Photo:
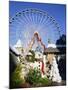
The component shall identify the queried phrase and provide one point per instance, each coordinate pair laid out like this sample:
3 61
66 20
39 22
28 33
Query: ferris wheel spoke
36 16
29 17
26 17
22 20
18 22
45 20
41 21
33 18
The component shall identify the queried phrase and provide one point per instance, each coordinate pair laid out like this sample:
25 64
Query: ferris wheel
25 23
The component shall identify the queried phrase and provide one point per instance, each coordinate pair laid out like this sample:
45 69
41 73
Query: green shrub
33 76
45 81
16 78
35 79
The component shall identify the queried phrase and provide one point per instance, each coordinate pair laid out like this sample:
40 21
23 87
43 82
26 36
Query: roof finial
49 41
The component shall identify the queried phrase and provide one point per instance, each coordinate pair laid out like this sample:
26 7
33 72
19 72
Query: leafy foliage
33 76
61 40
16 79
45 81
35 79
31 58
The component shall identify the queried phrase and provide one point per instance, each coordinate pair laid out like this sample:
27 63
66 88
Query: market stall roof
52 50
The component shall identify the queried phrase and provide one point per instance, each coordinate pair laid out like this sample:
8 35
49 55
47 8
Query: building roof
51 45
14 51
55 46
51 50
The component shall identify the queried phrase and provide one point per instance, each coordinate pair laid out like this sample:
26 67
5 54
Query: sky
19 31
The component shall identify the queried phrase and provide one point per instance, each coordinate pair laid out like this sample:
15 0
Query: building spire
18 44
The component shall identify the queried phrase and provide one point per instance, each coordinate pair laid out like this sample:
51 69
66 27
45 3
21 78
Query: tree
62 61
61 41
